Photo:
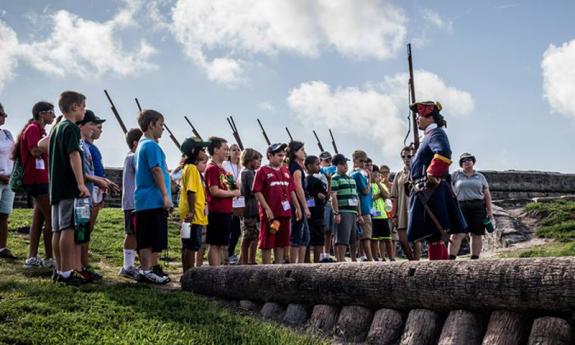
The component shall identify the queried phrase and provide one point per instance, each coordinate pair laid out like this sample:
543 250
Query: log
295 315
545 285
323 319
550 331
462 328
273 311
505 328
386 327
353 323
422 327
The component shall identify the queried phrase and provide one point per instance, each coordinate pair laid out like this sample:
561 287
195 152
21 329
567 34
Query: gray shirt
129 182
469 187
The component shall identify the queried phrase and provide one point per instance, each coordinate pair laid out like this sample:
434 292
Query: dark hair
375 168
309 160
438 118
249 155
192 156
40 107
69 98
215 143
147 117
133 134
293 147
405 149
383 166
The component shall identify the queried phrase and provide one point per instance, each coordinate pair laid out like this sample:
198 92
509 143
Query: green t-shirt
344 186
379 204
64 140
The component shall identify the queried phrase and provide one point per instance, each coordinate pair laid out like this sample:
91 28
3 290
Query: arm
488 207
300 193
159 180
44 144
297 206
215 191
264 205
191 196
76 164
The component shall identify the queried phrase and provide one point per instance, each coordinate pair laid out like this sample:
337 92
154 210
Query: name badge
239 202
40 164
353 202
311 202
375 212
285 205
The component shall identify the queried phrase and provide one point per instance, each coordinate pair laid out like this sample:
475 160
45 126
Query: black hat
275 148
339 159
325 156
191 143
428 106
89 116
464 156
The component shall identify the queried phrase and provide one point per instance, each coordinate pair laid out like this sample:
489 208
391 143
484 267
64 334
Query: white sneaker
232 260
49 262
152 278
33 262
363 258
132 273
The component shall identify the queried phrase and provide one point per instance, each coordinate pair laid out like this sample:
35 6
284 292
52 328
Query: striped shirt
346 191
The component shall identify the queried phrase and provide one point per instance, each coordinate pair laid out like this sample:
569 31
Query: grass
34 310
545 250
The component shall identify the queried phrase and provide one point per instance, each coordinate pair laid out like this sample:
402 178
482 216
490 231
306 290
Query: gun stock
333 142
318 142
264 133
193 129
289 134
115 112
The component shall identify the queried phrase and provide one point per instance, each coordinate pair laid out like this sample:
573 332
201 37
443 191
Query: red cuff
439 166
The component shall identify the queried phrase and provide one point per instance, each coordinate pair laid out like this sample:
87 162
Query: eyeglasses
235 150
48 112
466 160
408 156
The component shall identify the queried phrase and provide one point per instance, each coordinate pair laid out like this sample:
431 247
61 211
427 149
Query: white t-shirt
6 146
235 170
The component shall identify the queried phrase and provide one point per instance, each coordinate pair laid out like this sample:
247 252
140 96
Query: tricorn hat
425 108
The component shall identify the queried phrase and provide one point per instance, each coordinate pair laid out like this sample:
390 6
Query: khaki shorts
250 229
366 228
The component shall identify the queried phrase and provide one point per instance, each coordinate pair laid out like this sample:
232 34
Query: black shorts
194 243
381 229
36 189
152 229
129 222
316 232
474 212
219 228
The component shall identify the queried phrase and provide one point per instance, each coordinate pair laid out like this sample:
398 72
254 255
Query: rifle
333 142
264 133
193 129
415 143
165 126
232 124
116 114
289 134
318 142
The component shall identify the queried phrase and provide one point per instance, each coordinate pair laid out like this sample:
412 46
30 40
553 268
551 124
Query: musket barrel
115 112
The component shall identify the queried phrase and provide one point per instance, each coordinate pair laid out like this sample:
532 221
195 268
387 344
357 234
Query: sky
504 71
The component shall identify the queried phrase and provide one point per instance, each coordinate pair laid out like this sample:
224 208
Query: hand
189 218
307 213
394 221
298 214
269 214
321 196
102 183
4 179
489 214
236 193
360 220
167 203
84 192
432 181
114 188
337 218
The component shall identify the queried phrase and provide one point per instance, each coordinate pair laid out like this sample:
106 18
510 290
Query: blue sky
503 70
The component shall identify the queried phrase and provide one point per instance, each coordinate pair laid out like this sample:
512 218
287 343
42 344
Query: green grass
34 310
545 250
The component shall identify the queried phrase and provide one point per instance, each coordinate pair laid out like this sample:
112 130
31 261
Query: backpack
16 182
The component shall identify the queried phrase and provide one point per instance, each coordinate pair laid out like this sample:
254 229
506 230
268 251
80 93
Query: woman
473 194
34 162
6 193
232 166
299 236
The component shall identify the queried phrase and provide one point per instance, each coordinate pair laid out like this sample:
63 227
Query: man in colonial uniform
434 213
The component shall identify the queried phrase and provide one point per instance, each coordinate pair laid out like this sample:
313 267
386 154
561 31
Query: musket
333 142
235 132
289 134
318 142
193 129
165 126
116 114
412 97
264 133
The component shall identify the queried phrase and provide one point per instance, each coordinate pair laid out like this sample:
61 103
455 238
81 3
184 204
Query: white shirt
6 146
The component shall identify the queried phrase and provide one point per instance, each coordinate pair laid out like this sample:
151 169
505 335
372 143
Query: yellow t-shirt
192 182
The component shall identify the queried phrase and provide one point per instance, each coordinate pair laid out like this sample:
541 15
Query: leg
293 254
366 248
353 251
402 233
200 256
253 247
3 230
234 235
56 250
146 259
317 251
340 252
43 203
68 248
244 251
279 254
302 253
416 250
375 249
188 259
35 231
382 249
476 243
214 257
267 256
389 249
455 244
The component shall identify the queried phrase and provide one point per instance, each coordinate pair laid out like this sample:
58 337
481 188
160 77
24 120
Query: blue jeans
299 234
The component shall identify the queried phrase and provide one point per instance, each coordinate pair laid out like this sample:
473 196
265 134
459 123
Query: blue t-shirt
148 195
88 164
365 201
96 159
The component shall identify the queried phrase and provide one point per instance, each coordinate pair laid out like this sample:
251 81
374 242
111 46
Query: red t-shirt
276 186
217 176
35 168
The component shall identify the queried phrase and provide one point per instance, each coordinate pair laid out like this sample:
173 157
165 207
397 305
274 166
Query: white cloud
559 77
8 60
266 105
240 28
374 111
434 19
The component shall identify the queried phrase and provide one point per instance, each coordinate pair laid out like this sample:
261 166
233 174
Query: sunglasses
408 156
466 160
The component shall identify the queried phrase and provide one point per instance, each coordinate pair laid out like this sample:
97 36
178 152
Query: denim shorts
6 199
299 234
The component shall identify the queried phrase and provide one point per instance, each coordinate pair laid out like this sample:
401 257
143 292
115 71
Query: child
192 205
381 241
251 161
274 190
316 203
152 197
129 269
201 165
362 178
66 184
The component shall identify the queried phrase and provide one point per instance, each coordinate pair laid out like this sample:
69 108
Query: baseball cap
191 143
339 159
89 116
325 156
275 148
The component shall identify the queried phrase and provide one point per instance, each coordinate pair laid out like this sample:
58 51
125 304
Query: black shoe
160 272
74 279
90 274
7 254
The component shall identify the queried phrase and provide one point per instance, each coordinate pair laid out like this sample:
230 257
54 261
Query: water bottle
488 225
82 210
186 230
330 170
388 205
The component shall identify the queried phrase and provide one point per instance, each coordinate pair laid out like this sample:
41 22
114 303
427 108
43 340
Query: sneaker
33 262
363 258
74 279
5 253
233 260
49 262
131 273
153 278
90 274
160 272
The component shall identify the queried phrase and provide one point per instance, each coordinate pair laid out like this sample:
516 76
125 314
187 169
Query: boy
129 269
326 172
362 179
220 195
201 166
381 241
316 204
251 161
192 205
345 206
274 190
152 197
66 183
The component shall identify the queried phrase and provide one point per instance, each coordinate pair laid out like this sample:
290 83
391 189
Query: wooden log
523 285
422 327
462 328
505 328
353 323
322 320
386 327
295 315
551 331
273 311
